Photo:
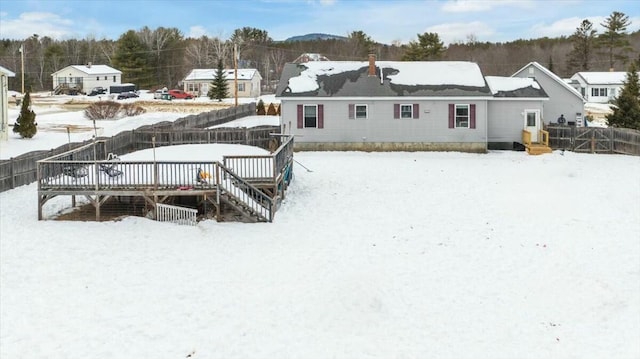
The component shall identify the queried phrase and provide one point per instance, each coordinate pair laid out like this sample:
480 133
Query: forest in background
162 57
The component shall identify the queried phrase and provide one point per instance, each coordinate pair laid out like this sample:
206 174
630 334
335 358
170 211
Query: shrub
131 109
25 124
260 108
103 110
278 112
271 110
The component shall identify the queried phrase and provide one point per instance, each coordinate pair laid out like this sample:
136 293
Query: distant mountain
313 37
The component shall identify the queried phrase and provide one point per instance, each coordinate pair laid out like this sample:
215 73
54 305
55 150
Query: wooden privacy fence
595 139
21 170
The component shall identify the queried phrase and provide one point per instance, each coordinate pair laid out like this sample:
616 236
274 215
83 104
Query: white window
462 116
361 111
406 111
241 87
599 92
310 116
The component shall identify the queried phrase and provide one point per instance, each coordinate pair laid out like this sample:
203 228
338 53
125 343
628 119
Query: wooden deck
251 185
536 148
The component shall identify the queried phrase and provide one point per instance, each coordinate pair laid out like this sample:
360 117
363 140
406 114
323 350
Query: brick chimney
372 65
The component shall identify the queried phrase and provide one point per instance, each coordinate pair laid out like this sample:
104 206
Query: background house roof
514 87
7 72
210 74
602 78
392 79
92 69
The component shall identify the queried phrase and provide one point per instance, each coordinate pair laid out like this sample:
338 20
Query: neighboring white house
83 78
407 106
4 102
598 87
198 82
563 99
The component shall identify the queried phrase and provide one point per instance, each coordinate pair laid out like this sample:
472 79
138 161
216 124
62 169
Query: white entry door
532 123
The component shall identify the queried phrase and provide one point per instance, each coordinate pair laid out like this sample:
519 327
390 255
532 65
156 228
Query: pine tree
626 112
260 108
219 87
614 39
271 110
584 41
132 58
26 124
428 47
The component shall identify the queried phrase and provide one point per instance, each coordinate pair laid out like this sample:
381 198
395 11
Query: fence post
613 142
13 179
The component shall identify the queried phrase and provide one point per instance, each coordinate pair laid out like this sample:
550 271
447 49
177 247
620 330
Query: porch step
538 149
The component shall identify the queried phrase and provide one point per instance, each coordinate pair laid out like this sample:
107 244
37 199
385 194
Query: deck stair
242 207
536 148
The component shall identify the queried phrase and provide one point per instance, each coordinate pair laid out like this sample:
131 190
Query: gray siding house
406 106
563 99
359 105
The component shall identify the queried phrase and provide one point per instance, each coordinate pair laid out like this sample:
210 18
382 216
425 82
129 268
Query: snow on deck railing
176 214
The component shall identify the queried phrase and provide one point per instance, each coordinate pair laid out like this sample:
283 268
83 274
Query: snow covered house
4 102
82 78
389 105
198 82
598 87
563 99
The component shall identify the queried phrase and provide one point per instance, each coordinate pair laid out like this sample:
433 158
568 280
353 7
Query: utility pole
235 71
22 68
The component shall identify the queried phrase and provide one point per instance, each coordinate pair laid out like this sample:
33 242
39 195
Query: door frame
534 130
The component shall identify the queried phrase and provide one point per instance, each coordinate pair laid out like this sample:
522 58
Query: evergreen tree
584 41
132 58
260 108
614 39
626 112
271 110
26 125
219 87
428 47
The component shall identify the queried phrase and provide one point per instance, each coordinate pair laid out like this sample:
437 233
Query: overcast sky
384 21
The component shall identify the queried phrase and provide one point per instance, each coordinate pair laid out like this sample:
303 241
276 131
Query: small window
310 116
406 111
241 87
361 111
106 78
462 116
97 78
114 78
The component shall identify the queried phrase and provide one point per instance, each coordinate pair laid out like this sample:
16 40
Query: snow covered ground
372 255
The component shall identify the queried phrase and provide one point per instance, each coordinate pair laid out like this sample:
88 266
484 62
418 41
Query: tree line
162 57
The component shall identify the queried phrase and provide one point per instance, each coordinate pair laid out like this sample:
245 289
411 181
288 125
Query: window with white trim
310 116
361 111
406 111
599 92
241 87
462 116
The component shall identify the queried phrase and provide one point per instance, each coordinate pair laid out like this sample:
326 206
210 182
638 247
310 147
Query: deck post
97 204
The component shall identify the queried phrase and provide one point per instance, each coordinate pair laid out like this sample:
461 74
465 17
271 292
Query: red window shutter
416 110
472 115
452 114
396 110
320 116
352 111
300 119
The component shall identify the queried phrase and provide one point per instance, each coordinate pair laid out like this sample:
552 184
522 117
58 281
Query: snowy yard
372 255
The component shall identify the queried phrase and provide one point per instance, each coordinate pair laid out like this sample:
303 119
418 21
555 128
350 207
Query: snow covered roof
514 87
602 78
92 69
210 74
393 78
7 72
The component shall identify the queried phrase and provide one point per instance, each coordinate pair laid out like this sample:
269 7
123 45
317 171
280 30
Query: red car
180 94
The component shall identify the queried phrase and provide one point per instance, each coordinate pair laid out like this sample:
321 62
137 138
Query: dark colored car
180 94
126 95
97 91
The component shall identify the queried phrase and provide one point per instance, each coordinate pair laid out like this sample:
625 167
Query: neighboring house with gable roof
198 82
83 78
4 101
390 105
599 87
563 99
